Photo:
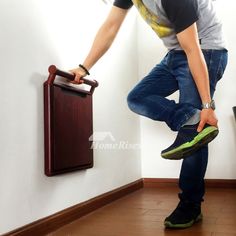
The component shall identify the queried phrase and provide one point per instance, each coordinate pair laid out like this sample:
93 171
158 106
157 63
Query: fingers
75 82
77 79
207 117
201 125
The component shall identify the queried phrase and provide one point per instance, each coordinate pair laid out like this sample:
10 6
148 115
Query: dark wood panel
72 127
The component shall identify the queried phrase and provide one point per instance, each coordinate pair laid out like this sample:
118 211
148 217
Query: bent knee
133 99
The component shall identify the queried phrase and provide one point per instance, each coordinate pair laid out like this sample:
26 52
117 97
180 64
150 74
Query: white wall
30 40
155 136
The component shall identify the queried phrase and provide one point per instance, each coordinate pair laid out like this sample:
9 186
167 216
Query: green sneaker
188 141
184 216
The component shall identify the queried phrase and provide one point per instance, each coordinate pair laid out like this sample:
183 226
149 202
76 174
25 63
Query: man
195 62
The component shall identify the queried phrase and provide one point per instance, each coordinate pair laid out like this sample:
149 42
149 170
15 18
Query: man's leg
188 140
148 98
192 174
193 169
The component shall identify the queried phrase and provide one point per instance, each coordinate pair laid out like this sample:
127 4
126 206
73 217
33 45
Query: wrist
82 67
209 105
81 72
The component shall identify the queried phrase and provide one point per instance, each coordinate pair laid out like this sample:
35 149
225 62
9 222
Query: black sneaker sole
170 225
187 149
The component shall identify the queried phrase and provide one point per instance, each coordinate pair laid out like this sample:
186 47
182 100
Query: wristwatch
209 105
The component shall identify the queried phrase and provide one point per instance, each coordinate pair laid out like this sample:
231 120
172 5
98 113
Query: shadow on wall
234 110
234 122
37 81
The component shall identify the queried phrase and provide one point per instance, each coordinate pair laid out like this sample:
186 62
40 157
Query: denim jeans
148 98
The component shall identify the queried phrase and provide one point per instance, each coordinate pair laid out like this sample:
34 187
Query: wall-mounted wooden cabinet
68 124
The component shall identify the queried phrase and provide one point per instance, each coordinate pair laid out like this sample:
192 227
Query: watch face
209 105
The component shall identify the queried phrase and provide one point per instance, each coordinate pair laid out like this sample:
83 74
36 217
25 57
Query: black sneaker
188 141
184 216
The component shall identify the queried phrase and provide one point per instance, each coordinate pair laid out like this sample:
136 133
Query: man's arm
188 40
103 40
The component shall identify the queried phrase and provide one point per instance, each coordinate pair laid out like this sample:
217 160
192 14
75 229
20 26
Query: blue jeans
148 98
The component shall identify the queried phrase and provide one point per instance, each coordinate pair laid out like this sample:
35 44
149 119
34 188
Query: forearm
188 39
200 75
199 72
102 42
105 36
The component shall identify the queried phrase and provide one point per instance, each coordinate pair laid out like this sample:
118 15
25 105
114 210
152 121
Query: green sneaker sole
188 148
168 224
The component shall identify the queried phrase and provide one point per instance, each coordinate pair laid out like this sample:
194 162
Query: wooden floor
142 213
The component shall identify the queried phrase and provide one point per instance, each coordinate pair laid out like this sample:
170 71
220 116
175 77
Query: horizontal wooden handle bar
53 70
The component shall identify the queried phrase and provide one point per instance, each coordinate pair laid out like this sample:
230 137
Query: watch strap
209 105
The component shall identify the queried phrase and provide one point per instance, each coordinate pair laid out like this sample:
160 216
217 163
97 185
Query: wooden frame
68 124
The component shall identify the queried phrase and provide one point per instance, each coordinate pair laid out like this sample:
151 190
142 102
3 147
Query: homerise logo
106 141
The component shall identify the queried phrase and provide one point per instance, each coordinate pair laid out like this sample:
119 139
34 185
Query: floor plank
142 213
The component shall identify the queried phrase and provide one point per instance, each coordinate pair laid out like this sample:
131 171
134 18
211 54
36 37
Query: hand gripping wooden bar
53 71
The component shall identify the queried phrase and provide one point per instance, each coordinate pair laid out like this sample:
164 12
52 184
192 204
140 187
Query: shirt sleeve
124 4
181 13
